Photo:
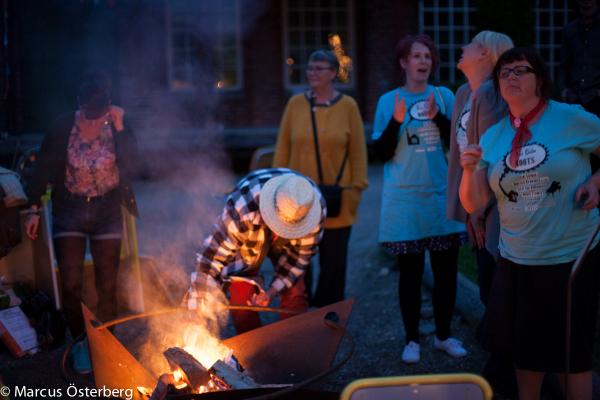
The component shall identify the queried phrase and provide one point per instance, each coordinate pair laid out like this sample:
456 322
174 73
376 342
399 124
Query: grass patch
467 262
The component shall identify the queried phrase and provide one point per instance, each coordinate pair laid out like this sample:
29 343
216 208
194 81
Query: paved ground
177 214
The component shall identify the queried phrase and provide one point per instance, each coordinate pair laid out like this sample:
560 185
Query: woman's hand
399 108
470 157
31 225
432 107
587 196
116 114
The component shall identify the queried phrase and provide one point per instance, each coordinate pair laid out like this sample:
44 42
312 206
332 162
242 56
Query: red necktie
523 133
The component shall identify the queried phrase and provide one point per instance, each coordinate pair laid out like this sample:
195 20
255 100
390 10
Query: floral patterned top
91 165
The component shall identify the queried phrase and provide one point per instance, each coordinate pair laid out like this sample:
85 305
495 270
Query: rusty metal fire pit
289 351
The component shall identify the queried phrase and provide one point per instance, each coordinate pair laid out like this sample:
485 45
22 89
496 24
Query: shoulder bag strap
442 104
313 119
337 180
314 128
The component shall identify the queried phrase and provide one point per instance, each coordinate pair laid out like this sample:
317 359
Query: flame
178 377
196 332
335 42
144 391
204 347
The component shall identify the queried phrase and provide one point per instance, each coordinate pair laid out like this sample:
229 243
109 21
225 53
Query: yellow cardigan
340 127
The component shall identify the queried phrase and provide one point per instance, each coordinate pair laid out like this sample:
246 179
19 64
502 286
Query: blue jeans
75 219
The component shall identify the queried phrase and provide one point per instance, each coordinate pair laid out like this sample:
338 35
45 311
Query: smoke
197 332
181 142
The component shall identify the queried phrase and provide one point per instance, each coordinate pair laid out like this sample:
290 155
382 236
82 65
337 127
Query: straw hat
290 206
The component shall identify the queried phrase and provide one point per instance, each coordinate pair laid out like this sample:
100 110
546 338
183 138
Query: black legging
444 266
70 253
333 254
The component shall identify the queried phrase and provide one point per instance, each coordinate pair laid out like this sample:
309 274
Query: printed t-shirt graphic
536 197
461 125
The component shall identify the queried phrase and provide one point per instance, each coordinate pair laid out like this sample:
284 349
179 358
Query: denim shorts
97 217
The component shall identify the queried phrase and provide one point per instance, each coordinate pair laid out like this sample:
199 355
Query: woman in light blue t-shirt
535 161
408 127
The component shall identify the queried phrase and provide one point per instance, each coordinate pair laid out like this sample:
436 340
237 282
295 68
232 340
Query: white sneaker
451 346
411 353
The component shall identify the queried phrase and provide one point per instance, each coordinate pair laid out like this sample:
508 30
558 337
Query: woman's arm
385 145
474 191
357 150
587 196
443 124
47 163
46 168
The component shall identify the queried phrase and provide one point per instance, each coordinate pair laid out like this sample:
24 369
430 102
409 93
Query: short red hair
405 44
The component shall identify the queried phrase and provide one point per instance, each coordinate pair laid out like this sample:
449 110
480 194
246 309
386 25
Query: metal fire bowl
285 352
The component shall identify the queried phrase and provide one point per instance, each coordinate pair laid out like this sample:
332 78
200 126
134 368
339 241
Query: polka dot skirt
433 243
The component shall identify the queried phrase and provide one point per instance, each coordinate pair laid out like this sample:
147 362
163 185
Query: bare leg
530 384
580 385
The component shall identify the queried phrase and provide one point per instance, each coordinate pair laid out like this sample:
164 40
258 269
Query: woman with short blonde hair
476 108
495 42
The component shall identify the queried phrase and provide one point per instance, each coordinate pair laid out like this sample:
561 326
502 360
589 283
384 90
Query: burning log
195 374
162 387
230 378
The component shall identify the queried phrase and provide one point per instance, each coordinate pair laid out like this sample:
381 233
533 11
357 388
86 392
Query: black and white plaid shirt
235 246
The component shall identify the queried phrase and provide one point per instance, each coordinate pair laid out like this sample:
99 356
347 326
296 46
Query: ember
190 376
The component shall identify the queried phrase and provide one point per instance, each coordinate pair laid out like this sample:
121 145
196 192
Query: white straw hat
290 206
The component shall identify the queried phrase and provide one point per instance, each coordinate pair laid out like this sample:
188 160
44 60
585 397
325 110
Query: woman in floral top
88 159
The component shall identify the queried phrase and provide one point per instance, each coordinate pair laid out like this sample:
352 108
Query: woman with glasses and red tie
321 135
535 161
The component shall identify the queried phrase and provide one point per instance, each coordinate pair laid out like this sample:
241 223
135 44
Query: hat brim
284 229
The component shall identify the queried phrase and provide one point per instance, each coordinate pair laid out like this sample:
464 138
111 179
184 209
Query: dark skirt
526 314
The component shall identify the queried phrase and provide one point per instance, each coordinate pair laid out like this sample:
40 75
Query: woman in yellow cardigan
340 134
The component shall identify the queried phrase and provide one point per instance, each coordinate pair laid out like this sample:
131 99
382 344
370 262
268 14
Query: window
448 24
550 18
316 24
204 44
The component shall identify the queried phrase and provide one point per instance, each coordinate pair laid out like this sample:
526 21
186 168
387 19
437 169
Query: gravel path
376 323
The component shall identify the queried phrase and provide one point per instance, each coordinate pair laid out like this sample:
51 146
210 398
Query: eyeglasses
518 71
317 69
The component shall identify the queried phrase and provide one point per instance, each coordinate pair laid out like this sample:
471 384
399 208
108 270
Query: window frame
466 29
552 46
292 87
239 70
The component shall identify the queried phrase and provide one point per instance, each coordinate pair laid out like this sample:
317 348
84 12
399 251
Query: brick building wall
263 98
249 116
